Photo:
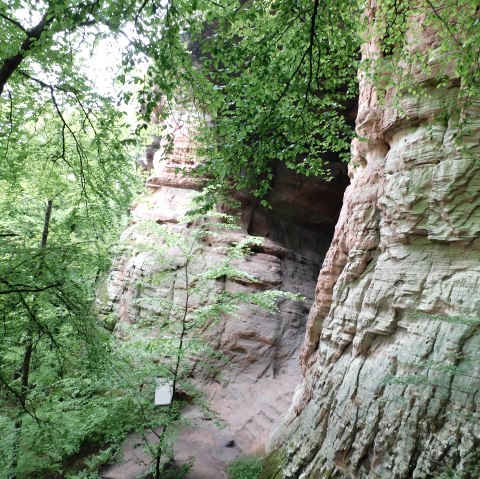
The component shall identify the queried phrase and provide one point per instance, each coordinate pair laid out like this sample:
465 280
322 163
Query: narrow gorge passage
262 349
260 309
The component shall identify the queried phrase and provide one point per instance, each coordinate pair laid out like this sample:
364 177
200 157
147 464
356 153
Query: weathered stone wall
262 348
390 390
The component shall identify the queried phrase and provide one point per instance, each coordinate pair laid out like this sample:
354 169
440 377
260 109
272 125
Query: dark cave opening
299 229
304 211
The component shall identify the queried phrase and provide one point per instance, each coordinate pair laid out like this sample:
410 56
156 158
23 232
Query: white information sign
163 392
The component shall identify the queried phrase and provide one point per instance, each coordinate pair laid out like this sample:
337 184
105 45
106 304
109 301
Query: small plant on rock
178 301
248 467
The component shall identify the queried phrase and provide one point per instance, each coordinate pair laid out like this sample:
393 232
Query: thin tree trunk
176 369
24 372
157 462
46 224
24 381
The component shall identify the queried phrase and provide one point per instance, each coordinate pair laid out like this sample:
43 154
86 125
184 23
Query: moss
273 465
275 462
110 321
330 474
246 467
326 471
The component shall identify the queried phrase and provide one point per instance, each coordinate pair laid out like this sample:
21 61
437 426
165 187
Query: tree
277 81
167 337
452 26
62 200
67 180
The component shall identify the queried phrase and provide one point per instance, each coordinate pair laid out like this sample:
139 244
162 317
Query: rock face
390 387
262 348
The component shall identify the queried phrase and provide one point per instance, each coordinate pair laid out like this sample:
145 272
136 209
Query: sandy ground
209 447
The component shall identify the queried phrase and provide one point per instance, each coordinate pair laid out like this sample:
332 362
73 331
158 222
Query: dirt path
211 449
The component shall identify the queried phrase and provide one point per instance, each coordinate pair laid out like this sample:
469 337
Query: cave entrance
302 222
304 211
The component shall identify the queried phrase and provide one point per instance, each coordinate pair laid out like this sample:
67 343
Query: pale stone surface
256 385
390 391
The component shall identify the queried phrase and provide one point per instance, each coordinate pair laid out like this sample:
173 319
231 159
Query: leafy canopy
275 81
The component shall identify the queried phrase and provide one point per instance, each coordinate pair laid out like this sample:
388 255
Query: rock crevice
262 348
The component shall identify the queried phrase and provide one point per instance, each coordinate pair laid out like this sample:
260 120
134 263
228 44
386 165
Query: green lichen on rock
273 465
322 468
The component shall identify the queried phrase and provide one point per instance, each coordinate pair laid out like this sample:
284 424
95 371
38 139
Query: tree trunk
24 372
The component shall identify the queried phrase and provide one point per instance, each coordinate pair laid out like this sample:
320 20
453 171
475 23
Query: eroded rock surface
257 385
391 389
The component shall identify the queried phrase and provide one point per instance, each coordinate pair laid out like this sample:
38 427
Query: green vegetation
166 341
273 465
250 467
457 29
67 179
469 472
275 80
267 74
78 390
66 182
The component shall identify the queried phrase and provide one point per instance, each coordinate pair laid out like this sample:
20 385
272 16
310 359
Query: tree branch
310 48
48 86
447 26
23 288
308 51
20 400
14 22
10 65
65 125
10 132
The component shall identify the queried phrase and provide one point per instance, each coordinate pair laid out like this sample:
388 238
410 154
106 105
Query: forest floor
209 447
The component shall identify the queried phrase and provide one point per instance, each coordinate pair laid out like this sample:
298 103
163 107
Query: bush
245 468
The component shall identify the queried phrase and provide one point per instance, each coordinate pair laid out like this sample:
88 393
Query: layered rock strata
391 385
262 348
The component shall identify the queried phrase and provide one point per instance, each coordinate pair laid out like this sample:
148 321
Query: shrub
246 468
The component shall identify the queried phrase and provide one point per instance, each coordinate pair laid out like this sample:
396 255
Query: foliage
273 465
444 27
61 210
267 74
469 472
245 468
167 338
274 81
66 182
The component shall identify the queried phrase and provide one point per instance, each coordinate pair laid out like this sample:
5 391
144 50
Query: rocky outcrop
262 348
391 386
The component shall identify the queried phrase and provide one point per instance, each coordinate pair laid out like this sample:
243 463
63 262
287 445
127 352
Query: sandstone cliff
262 349
390 386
